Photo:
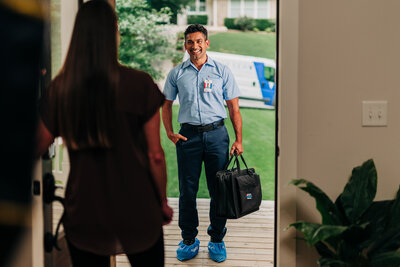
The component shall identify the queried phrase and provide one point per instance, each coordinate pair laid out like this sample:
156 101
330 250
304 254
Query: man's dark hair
196 28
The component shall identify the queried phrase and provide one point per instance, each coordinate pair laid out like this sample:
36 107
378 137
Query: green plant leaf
355 234
324 204
324 250
389 241
377 216
331 262
360 191
314 233
394 216
388 259
341 213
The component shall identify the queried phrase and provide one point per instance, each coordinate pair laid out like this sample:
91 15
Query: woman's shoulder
136 86
133 73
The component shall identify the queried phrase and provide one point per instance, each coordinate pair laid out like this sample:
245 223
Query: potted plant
355 230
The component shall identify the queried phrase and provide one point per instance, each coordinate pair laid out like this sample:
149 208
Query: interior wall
348 53
287 124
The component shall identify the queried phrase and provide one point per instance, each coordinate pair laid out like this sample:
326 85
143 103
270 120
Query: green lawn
244 43
258 143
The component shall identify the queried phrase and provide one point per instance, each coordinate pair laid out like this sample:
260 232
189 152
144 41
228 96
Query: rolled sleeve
170 89
230 87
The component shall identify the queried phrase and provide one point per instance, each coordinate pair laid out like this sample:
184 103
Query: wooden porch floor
249 240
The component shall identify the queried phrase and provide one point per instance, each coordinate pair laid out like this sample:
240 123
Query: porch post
215 16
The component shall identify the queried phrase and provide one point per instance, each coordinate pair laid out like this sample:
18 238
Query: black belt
203 128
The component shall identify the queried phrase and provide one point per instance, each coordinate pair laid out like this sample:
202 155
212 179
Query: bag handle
243 160
235 155
229 162
235 161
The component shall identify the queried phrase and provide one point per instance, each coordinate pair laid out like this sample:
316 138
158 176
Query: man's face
196 45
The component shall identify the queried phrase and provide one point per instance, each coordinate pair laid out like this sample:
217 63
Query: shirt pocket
217 84
187 90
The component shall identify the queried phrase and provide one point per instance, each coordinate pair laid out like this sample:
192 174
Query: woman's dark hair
85 87
196 28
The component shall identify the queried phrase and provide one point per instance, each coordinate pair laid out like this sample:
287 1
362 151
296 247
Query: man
202 85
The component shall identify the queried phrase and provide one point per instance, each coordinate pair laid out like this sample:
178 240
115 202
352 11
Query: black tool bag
238 192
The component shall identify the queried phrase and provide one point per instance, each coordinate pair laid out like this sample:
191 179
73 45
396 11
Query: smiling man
202 86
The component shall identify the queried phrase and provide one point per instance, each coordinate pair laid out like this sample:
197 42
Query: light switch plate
374 113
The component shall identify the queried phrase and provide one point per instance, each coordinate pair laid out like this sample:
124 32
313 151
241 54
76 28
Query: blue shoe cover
217 251
185 252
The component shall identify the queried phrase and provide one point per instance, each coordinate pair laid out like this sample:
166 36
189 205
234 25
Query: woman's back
108 116
112 205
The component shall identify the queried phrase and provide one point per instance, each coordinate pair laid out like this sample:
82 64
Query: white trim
197 13
241 12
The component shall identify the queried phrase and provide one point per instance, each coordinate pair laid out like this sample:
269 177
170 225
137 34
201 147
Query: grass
244 43
258 143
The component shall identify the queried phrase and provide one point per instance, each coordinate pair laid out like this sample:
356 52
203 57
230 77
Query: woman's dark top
111 202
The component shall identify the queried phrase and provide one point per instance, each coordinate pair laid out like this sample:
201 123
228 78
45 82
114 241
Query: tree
175 6
144 41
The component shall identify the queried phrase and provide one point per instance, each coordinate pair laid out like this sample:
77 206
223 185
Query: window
249 8
235 8
262 10
202 5
192 6
197 6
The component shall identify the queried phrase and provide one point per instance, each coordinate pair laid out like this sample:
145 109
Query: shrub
180 39
143 40
263 24
273 25
245 23
273 28
230 23
197 19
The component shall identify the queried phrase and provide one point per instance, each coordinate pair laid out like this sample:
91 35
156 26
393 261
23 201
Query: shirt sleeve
154 98
170 88
230 87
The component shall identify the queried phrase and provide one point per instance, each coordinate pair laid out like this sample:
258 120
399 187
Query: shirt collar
209 61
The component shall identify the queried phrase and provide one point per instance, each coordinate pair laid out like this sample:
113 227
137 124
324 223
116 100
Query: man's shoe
217 251
187 252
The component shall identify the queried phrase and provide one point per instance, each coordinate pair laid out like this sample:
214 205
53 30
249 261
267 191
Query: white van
255 77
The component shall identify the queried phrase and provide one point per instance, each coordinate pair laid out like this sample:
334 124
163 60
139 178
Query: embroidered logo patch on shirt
249 196
207 86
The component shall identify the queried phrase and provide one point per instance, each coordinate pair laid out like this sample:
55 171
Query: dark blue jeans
212 148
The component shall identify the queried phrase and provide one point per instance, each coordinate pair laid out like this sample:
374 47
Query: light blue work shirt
201 101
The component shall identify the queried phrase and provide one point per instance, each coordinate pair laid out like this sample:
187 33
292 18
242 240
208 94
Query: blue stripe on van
266 91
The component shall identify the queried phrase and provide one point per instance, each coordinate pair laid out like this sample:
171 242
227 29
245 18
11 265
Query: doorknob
49 189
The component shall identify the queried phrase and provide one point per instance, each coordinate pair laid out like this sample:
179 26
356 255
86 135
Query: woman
108 116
